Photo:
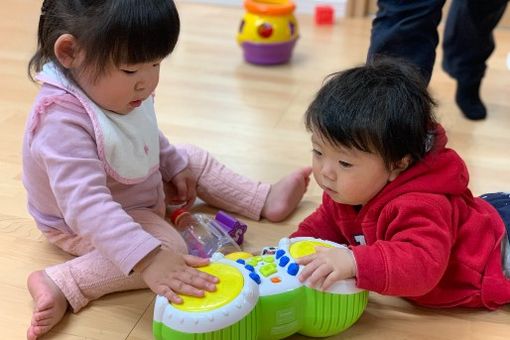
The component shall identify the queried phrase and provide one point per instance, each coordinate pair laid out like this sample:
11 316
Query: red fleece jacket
426 237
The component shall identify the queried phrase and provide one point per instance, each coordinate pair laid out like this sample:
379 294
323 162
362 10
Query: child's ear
66 50
399 166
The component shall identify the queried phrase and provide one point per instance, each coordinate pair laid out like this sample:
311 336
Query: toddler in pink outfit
98 172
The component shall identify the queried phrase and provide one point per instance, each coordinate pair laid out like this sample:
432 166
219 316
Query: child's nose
328 172
140 86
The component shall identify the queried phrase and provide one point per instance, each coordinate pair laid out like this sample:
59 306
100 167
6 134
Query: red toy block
324 15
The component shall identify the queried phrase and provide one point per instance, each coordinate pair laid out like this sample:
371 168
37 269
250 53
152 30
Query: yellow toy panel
231 283
304 248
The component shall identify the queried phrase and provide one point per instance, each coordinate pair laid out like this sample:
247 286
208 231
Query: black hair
111 32
382 107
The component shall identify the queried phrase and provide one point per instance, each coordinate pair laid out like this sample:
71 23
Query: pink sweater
71 188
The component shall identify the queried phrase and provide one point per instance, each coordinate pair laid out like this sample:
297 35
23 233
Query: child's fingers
187 288
330 280
182 190
195 261
308 270
171 296
318 276
191 191
200 279
190 283
176 286
208 277
188 204
306 259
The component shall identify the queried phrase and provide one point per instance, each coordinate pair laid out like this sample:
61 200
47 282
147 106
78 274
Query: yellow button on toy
229 287
304 248
238 255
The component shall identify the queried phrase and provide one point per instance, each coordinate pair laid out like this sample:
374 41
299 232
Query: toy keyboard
260 297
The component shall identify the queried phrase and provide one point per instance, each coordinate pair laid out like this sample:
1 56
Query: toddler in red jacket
398 196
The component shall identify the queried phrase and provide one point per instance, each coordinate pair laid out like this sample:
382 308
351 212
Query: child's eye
155 65
344 164
316 152
128 71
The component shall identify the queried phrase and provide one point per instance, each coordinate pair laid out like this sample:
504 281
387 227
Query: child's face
122 88
348 176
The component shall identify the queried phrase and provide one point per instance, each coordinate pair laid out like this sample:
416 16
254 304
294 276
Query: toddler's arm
76 190
414 251
171 160
181 189
322 223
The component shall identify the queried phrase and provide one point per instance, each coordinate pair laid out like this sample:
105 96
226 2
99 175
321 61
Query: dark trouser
408 29
500 201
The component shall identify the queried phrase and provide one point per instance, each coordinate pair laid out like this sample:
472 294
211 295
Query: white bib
127 144
131 141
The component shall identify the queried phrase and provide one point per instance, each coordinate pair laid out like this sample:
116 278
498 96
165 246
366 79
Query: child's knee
175 242
197 157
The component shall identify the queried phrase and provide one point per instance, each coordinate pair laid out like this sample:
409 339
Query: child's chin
339 200
334 197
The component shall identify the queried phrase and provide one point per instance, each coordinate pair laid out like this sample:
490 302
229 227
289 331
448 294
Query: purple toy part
268 54
232 226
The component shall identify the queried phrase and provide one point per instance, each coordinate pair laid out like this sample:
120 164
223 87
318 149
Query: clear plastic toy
204 235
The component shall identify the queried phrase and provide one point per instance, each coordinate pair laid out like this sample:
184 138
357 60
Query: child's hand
169 273
327 266
181 189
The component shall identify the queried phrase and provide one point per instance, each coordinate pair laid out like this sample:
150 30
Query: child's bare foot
50 304
285 195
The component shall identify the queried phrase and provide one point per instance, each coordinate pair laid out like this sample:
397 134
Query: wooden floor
251 118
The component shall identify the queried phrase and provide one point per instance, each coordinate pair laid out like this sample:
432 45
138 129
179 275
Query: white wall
302 6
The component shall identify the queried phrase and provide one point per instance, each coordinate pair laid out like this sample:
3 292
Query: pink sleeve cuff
138 253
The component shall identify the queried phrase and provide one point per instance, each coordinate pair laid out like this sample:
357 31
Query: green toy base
328 314
245 329
322 315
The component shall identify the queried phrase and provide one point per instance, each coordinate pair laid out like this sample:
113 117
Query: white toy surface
278 272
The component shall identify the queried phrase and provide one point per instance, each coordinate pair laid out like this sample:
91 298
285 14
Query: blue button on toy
240 261
279 253
283 261
293 269
255 277
250 268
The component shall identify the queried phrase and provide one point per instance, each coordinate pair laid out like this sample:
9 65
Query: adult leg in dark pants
468 43
408 30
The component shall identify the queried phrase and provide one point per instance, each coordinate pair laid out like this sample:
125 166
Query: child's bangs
341 126
149 33
132 32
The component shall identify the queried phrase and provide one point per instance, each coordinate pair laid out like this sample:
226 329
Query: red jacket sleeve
321 224
412 251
